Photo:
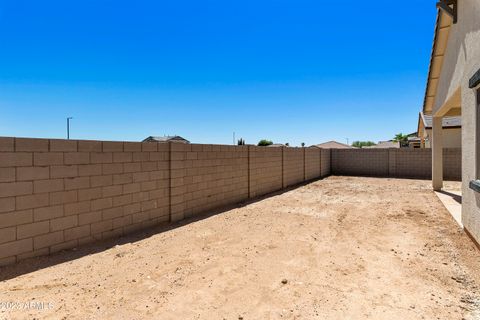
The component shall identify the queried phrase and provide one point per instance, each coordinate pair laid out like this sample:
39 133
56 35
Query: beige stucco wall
462 60
452 138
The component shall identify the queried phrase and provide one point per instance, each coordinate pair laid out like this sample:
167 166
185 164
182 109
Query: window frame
475 184
477 134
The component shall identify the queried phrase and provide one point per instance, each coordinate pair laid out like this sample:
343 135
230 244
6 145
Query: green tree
361 144
401 138
303 144
241 142
264 143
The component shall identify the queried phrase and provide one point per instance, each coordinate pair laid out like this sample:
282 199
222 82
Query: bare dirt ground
340 248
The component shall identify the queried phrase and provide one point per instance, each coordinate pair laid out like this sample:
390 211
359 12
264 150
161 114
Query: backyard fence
396 163
59 194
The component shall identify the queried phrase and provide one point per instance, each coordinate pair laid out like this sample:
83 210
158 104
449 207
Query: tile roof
448 122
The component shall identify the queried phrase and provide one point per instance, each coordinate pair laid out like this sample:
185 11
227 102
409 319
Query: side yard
339 248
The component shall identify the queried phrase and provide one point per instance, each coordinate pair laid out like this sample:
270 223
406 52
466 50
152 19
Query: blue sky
289 71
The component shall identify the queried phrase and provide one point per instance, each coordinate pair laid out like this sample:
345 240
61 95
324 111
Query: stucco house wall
452 138
461 61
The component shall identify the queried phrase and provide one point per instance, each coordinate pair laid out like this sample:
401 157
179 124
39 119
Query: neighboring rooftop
166 139
448 122
385 145
333 145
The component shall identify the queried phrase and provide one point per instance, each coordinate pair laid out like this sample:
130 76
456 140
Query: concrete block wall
411 163
399 163
313 163
293 166
452 164
211 176
325 161
362 162
60 194
265 167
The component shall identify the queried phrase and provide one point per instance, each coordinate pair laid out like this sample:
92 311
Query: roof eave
438 26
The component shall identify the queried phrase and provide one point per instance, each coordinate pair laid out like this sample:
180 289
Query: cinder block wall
59 194
210 177
452 164
411 163
399 163
293 166
265 170
361 162
326 163
312 163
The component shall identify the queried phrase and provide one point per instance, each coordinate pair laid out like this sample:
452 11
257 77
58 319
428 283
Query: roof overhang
421 124
452 107
450 7
442 31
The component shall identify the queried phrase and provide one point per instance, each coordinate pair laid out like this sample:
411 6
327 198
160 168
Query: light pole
68 127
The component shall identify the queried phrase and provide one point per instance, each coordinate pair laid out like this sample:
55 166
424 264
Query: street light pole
68 127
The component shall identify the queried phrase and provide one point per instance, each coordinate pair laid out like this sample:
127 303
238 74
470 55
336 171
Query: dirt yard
340 248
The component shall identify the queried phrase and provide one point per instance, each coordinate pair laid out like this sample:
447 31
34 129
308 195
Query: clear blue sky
290 71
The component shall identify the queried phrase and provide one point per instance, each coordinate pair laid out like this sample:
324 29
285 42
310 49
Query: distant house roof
333 145
166 139
448 122
425 122
385 145
276 145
